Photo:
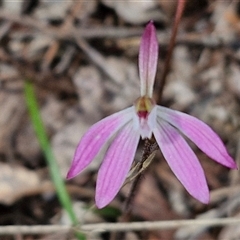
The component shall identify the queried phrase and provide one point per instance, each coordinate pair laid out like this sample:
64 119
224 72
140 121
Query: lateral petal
95 138
200 133
116 165
147 60
182 161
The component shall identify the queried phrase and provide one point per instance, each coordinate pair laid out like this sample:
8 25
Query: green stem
40 131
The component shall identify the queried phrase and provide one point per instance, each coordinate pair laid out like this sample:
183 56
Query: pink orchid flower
125 128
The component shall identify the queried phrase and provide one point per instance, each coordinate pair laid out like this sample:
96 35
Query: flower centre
145 120
143 106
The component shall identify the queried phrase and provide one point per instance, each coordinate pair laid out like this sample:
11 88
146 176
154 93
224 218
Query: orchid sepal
147 61
95 138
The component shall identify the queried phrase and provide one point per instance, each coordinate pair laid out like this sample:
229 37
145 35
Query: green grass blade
39 128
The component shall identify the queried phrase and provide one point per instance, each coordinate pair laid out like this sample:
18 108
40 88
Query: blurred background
81 58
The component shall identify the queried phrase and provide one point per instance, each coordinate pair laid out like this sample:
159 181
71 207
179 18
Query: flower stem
40 131
150 145
178 16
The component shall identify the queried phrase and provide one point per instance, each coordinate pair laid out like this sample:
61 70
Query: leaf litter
74 91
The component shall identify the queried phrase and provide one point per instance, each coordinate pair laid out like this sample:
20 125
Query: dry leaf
16 182
12 108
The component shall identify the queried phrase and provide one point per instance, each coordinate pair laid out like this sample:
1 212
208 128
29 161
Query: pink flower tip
203 197
101 202
148 58
70 174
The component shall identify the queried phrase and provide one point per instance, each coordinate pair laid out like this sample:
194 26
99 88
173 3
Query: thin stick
179 12
71 32
111 227
148 225
119 33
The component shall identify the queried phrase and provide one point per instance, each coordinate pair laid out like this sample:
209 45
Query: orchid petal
182 160
116 165
95 138
200 133
148 57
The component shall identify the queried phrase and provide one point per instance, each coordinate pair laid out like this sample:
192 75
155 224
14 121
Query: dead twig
110 227
72 32
193 39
